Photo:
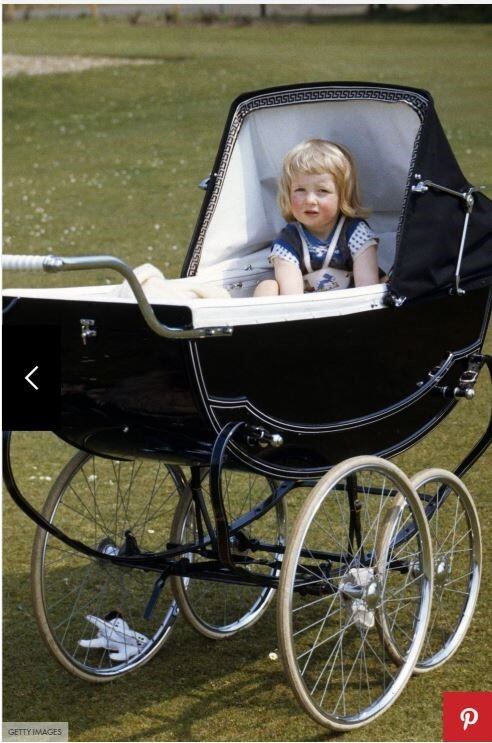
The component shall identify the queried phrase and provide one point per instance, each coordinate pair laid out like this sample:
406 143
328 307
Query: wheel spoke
89 609
217 609
336 646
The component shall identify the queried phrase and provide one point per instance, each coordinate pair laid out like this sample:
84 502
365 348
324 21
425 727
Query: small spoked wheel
216 609
347 586
457 556
91 612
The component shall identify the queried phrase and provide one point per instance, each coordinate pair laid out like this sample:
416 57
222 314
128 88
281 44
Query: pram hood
397 141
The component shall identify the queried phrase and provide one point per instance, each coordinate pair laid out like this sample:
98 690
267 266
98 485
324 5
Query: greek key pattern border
407 189
287 98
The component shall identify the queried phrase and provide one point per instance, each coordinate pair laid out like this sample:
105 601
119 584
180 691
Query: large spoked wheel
89 611
342 573
219 610
457 555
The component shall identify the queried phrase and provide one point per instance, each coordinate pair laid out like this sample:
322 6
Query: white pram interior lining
381 136
235 249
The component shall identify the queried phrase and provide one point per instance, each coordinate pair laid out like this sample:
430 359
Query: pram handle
53 264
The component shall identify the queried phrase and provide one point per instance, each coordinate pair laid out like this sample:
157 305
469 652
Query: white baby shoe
117 636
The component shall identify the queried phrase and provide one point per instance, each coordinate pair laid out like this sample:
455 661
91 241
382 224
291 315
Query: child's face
315 202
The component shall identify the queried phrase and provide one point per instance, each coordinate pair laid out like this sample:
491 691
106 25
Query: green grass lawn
108 161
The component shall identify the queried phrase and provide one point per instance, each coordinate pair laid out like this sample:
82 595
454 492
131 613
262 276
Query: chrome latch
390 299
434 373
468 379
466 382
257 436
205 182
87 330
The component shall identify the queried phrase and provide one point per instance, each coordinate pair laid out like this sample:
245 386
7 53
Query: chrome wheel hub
361 592
442 571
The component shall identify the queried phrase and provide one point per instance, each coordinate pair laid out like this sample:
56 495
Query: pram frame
220 538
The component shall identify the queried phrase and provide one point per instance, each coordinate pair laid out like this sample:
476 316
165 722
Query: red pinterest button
467 716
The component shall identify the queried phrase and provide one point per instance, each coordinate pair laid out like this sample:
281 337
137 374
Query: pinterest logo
467 716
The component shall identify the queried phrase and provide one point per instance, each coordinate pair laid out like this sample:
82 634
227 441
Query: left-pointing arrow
28 377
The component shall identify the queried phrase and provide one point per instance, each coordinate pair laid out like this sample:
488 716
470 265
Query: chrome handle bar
54 264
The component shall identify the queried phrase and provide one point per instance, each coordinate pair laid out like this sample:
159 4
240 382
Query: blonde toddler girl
326 243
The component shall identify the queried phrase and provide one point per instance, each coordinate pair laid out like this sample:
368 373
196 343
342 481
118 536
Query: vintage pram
258 397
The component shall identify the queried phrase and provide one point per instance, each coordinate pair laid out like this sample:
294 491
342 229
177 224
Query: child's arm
366 270
288 276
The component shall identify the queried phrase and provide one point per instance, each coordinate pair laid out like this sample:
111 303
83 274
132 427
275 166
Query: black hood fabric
432 229
431 226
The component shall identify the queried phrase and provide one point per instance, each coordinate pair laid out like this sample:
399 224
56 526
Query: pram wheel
457 555
216 609
340 576
90 612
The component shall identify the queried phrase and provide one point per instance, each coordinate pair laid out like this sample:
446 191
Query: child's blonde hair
319 156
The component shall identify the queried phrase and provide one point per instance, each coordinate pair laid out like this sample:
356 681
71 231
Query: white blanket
156 286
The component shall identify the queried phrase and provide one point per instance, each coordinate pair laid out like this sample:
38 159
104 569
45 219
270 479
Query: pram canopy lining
394 135
247 215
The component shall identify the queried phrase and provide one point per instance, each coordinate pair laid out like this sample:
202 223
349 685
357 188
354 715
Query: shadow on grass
183 691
